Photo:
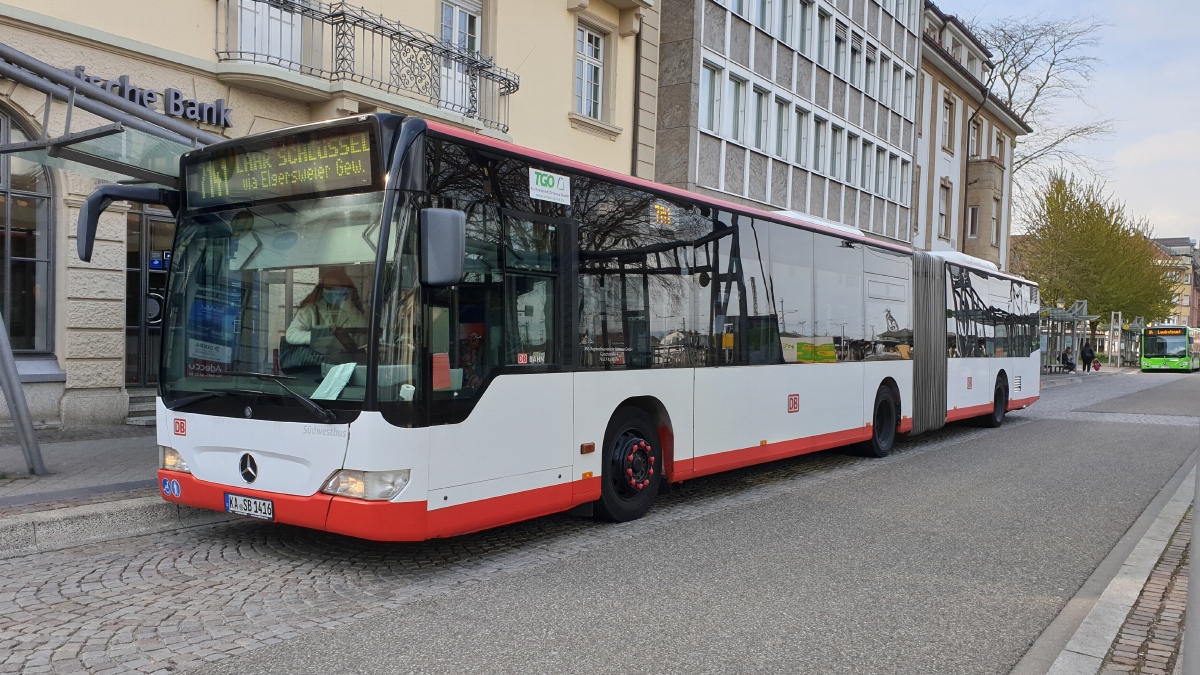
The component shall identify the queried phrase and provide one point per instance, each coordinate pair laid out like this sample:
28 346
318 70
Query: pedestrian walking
1087 355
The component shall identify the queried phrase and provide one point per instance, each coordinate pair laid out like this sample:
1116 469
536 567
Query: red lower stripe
906 425
970 411
1021 403
734 459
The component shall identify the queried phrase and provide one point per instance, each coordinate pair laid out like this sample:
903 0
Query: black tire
632 463
999 404
885 418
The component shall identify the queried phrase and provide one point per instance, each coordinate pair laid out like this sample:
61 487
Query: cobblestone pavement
160 603
1149 641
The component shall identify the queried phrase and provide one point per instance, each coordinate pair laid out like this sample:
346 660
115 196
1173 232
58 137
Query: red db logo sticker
793 403
522 359
968 383
180 427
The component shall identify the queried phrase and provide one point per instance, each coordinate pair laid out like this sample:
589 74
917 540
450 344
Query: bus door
499 350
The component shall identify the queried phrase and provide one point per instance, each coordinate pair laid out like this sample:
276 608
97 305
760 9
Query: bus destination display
314 163
1165 331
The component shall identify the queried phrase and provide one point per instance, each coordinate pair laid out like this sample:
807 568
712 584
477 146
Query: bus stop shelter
1062 328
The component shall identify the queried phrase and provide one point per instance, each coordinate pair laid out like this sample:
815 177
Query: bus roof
838 230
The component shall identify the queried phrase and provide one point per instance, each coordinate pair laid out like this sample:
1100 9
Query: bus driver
331 314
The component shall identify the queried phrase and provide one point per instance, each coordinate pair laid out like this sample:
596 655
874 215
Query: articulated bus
389 328
1170 348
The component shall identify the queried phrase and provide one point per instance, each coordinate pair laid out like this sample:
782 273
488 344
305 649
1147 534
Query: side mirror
103 197
443 246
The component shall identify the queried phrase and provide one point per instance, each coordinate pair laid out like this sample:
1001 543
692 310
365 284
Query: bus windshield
1165 346
273 297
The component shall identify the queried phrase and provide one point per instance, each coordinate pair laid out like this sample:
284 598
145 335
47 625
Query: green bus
1171 348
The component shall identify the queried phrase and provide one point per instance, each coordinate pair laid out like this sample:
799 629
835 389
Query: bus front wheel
632 466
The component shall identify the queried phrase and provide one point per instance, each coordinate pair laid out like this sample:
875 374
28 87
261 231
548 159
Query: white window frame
868 165
996 206
839 50
974 131
762 112
972 222
947 124
587 65
824 39
836 150
869 73
880 171
820 133
804 32
944 211
783 114
885 74
852 147
712 76
763 14
735 113
909 90
905 182
785 21
894 178
738 7
802 150
856 57
897 87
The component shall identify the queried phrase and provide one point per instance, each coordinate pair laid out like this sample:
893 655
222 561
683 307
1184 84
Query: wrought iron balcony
341 42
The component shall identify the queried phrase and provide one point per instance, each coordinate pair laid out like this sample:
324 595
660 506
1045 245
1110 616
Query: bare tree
1040 63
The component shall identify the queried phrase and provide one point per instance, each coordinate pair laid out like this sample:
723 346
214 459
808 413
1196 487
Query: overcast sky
1149 82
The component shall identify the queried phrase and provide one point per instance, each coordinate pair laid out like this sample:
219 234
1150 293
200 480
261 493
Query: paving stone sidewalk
1150 639
106 460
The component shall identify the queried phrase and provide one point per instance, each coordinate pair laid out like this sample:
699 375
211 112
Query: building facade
1180 256
964 146
577 79
795 105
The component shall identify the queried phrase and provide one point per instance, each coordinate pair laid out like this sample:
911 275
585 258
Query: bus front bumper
375 520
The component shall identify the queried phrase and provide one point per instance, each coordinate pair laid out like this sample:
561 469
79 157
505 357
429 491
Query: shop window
26 211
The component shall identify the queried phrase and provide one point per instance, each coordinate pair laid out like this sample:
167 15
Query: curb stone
56 529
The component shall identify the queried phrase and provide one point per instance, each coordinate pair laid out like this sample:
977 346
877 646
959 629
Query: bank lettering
174 102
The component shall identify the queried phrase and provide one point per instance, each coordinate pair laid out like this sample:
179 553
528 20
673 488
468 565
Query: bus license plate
249 506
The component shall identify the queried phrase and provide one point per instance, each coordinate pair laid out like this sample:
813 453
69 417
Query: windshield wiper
323 414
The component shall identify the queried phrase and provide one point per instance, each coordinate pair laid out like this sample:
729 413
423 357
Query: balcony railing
340 42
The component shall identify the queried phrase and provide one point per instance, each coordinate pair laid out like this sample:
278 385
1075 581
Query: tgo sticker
175 489
166 487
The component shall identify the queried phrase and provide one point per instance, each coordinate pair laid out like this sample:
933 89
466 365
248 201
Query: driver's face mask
337 295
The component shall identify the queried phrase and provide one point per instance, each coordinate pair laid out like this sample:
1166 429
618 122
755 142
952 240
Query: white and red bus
389 328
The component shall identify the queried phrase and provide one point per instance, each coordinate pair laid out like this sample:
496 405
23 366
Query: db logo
180 427
968 383
793 403
523 359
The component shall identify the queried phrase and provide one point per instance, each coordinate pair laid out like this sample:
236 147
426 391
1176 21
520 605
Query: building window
738 6
823 29
999 154
589 72
819 146
782 115
762 17
761 110
839 51
25 208
710 98
460 27
909 83
880 171
736 109
856 60
898 89
972 65
835 161
851 158
905 182
973 140
869 76
885 70
995 222
943 209
802 138
894 174
868 154
785 21
947 125
805 30
972 222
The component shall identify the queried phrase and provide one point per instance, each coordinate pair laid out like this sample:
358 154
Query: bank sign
174 103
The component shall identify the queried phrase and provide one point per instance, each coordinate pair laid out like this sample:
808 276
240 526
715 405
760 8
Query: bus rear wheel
632 466
999 404
883 424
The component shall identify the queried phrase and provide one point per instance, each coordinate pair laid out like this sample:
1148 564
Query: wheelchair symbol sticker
166 486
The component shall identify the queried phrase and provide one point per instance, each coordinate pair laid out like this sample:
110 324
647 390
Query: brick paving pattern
1148 643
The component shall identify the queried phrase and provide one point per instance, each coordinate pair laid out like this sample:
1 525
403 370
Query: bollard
18 409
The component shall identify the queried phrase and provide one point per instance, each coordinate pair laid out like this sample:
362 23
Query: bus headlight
370 485
170 459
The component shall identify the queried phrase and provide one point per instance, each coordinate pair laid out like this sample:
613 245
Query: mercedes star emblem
249 412
248 467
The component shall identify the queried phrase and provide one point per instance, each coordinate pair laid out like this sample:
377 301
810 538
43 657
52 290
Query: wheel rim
633 465
885 427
